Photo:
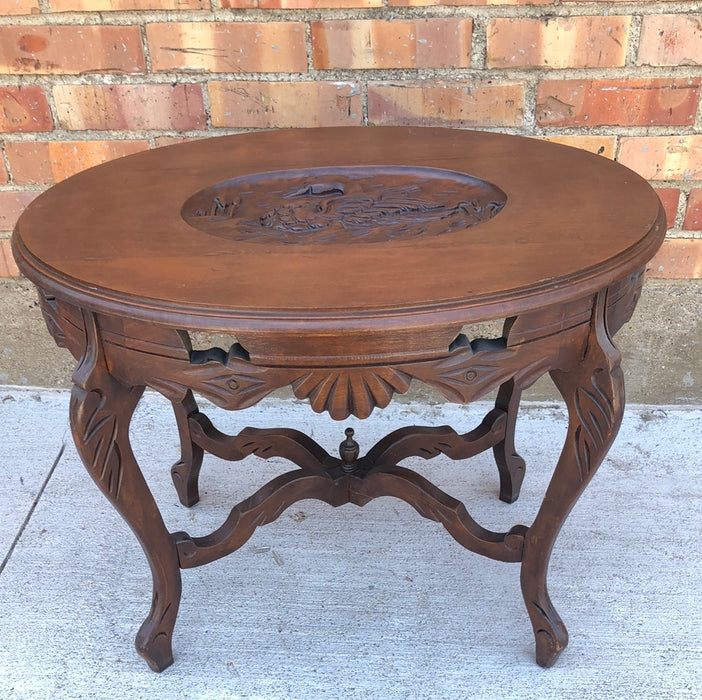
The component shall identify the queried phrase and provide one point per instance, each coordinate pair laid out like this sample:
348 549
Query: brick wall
83 81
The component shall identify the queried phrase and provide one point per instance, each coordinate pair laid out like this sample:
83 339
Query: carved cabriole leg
510 465
186 471
101 410
593 391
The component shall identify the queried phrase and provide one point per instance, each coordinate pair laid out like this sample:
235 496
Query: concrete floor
352 603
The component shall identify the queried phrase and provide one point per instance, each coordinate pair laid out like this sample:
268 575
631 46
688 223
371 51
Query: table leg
509 464
101 410
186 471
593 391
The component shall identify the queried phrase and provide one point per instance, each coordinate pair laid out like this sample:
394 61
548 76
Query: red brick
177 107
49 162
678 258
663 157
3 172
300 4
62 49
314 4
559 42
433 103
693 213
604 146
30 163
259 104
70 157
671 40
421 43
12 204
24 109
639 102
120 5
229 47
456 3
8 267
669 196
19 7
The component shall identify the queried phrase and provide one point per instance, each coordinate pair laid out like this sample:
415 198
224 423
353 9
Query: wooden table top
340 228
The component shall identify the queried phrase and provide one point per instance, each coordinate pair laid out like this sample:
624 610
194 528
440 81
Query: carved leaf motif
97 429
344 392
596 416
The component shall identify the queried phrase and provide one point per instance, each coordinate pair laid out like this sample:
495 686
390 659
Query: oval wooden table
346 263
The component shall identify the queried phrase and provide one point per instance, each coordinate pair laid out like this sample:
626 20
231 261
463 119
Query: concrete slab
35 429
372 602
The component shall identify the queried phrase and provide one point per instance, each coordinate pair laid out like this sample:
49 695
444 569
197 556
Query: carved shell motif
344 392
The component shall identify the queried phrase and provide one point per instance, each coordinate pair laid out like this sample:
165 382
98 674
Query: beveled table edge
481 308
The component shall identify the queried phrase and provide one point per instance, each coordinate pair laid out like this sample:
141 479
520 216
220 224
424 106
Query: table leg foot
549 647
154 645
550 634
593 391
510 465
186 471
101 410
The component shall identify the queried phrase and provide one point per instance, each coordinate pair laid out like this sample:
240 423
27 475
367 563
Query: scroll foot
154 646
550 634
548 648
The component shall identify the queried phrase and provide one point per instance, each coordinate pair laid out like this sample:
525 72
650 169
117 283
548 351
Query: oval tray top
339 228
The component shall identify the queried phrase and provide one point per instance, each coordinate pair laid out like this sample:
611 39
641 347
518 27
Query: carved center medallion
335 205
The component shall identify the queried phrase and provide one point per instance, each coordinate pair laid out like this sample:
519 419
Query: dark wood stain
352 278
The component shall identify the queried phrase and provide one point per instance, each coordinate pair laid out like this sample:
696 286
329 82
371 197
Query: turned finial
348 451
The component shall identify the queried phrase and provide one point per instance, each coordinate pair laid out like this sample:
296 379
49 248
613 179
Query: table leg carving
100 411
593 391
186 471
510 465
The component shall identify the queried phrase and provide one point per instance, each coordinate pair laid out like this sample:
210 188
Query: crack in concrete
32 508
